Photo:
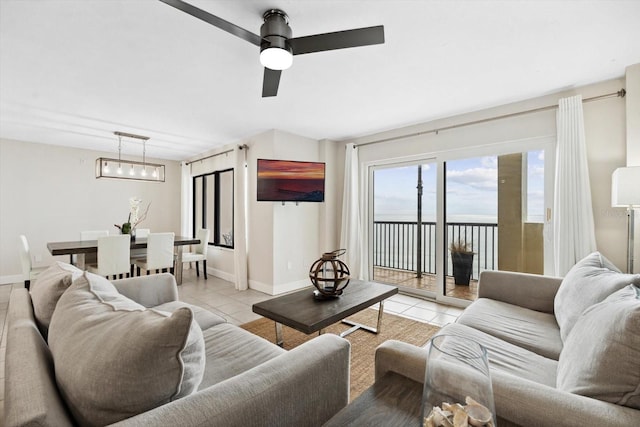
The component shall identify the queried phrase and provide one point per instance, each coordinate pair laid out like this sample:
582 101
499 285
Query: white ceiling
74 71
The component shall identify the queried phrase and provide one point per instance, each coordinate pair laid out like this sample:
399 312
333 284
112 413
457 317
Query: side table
393 400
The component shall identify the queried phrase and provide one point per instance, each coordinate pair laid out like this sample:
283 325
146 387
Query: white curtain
351 232
186 201
573 229
240 219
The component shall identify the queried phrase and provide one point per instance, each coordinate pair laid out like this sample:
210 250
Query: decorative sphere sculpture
329 275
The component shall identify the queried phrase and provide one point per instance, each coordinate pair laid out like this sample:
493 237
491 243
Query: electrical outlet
289 265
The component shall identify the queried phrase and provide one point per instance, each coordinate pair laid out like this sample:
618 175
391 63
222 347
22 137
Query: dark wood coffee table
301 311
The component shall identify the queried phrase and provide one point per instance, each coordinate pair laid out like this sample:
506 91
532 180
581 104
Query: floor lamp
625 192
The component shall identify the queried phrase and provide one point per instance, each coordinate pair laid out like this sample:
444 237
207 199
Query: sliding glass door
437 224
404 227
471 203
494 210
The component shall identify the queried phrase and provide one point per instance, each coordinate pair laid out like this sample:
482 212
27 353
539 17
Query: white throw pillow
47 289
114 359
601 357
590 281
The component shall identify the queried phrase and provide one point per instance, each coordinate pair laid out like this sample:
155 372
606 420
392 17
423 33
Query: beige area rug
363 344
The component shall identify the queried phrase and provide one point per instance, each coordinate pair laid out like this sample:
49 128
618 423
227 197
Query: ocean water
487 219
395 245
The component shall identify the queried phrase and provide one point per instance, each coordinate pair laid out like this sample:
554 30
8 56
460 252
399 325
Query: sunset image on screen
284 180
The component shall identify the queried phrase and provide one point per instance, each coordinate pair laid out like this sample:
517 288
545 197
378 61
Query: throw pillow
46 291
590 281
114 359
601 358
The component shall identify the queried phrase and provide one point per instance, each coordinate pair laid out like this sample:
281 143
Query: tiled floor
427 282
221 297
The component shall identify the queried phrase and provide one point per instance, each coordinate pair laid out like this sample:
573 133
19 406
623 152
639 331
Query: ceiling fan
277 47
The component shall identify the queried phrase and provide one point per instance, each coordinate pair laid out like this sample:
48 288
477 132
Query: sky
285 169
471 190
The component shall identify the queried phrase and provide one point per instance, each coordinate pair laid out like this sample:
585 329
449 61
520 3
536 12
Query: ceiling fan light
276 58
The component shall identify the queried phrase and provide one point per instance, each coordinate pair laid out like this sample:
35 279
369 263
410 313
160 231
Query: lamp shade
625 187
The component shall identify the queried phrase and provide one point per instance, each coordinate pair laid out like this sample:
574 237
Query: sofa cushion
114 359
31 396
47 289
205 318
508 358
532 330
601 358
590 281
232 350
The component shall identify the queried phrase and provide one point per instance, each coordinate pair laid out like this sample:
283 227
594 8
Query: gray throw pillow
46 291
590 281
601 358
114 359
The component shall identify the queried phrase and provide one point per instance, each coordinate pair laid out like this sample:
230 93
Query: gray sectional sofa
562 352
85 351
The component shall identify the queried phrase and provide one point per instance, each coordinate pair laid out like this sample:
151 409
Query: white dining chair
29 273
142 232
159 253
90 259
200 252
93 234
113 256
139 254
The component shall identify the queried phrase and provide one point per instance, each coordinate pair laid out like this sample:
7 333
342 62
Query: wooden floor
427 282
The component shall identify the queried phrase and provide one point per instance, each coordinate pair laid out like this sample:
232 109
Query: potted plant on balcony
462 260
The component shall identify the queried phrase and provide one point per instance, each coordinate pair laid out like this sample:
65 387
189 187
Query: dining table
80 248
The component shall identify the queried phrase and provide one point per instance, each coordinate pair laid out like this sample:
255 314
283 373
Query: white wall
50 193
633 114
330 213
296 227
605 135
604 123
283 240
261 217
633 140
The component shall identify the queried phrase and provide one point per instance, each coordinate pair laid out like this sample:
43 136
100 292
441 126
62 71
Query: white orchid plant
134 218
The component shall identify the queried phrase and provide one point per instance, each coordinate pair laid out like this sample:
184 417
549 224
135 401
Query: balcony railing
395 245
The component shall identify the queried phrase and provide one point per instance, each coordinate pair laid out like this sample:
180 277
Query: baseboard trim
282 288
221 274
261 287
8 280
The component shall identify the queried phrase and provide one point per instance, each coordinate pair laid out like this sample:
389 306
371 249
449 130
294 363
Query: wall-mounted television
290 181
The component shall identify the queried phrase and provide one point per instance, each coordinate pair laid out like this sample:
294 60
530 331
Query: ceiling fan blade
270 82
338 40
215 21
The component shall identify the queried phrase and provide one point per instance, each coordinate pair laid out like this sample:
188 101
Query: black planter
462 267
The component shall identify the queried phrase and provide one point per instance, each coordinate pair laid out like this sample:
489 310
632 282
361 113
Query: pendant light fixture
134 169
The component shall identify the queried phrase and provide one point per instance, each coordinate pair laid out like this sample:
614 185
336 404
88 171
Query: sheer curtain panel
351 231
186 201
573 229
240 219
